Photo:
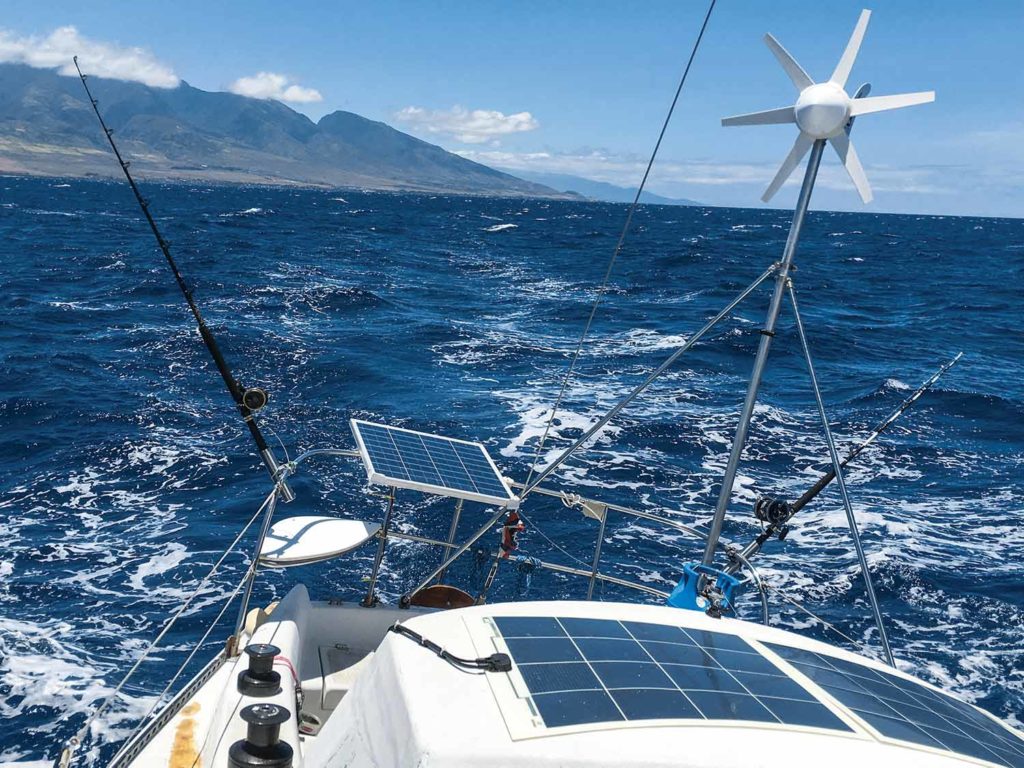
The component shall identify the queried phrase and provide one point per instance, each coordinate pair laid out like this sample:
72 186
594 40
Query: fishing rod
777 513
248 399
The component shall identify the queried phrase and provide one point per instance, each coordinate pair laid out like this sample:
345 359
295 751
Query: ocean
126 471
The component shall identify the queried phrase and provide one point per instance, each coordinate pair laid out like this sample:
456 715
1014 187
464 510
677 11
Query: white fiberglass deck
591 684
588 707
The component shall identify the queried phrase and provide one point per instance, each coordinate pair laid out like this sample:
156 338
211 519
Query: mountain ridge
47 128
597 190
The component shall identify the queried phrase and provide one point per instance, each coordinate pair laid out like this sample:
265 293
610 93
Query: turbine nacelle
824 111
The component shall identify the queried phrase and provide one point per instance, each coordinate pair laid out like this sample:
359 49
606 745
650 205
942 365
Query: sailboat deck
751 700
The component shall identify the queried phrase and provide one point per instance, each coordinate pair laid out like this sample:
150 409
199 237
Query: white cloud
470 126
57 50
627 170
270 85
621 169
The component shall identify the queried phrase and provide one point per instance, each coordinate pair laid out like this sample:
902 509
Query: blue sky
594 80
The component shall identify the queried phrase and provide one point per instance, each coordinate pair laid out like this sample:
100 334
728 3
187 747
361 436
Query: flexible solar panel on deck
403 458
581 671
908 711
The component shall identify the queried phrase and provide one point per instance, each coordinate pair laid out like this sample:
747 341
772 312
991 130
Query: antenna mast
248 400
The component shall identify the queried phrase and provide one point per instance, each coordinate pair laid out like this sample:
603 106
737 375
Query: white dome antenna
823 111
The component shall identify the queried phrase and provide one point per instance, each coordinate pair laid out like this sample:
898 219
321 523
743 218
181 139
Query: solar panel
403 458
581 671
902 709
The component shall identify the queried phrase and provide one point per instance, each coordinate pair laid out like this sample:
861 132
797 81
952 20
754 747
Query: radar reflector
444 466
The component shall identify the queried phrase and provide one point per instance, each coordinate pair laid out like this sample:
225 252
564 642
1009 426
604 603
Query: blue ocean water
125 471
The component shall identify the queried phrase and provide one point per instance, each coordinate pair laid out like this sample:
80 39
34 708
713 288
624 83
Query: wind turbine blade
796 73
848 155
767 117
882 103
845 64
800 148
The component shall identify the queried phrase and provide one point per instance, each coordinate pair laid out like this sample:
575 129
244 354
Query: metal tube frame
371 599
729 548
602 577
407 597
841 482
243 607
281 474
597 554
546 566
754 577
451 535
593 575
767 333
634 512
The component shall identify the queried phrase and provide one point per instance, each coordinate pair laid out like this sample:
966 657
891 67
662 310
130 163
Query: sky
583 87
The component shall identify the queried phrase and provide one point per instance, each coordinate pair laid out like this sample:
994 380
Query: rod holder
278 474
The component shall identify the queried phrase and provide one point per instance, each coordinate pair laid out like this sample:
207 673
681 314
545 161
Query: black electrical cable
496 662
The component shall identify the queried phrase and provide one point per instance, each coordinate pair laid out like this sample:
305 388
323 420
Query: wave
246 212
129 471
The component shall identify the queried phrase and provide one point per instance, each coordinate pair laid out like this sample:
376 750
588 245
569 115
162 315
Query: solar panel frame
443 466
623 672
905 710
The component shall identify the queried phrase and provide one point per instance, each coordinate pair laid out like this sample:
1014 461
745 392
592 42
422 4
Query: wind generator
825 112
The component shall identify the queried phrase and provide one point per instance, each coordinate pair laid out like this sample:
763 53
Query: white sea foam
44 212
157 565
245 212
500 227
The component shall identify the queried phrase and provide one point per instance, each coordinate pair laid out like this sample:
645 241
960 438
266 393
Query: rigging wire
534 528
618 248
828 625
80 735
202 641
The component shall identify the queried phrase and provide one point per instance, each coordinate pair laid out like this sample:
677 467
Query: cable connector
496 662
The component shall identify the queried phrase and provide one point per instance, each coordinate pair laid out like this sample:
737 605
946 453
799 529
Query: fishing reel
255 398
774 513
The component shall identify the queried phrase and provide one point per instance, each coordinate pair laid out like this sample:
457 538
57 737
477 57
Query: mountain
599 190
47 127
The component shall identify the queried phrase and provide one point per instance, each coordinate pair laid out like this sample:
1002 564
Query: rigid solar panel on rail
403 458
908 711
585 671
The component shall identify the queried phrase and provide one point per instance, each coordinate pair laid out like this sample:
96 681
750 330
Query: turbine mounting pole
767 333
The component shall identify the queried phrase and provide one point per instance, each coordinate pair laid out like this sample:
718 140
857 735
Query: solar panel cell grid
655 705
640 671
440 464
908 711
576 708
